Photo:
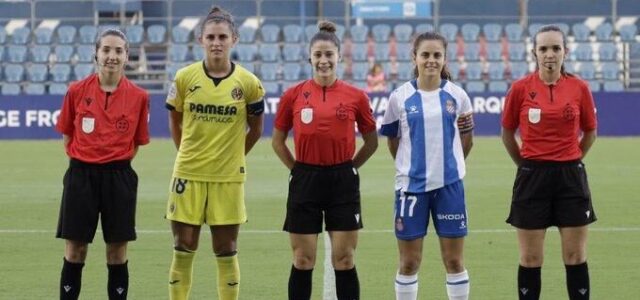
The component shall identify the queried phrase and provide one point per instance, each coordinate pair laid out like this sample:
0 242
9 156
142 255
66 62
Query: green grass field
31 257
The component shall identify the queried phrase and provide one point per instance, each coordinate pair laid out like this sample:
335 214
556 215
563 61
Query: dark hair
113 32
219 15
550 28
431 36
327 32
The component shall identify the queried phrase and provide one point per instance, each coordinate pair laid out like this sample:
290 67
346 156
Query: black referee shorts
551 194
105 191
329 191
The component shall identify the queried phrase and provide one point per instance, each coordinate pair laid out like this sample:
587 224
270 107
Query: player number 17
403 200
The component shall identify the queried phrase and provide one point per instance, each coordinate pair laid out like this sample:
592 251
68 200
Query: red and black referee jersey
323 120
104 126
550 117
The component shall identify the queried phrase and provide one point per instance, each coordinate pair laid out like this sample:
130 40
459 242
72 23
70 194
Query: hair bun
327 26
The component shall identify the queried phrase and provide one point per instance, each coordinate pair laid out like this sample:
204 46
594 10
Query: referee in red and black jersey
324 177
103 121
555 116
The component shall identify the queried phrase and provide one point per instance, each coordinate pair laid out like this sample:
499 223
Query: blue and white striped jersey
430 152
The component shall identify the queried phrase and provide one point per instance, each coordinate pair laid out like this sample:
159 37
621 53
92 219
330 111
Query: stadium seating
564 27
628 33
594 85
63 53
37 73
247 34
21 36
607 51
533 29
587 70
292 33
3 35
519 70
270 33
449 31
359 71
496 71
269 71
474 71
66 34
403 33
583 52
270 52
197 52
403 51
82 70
249 66
291 71
610 70
381 33
581 32
340 31
494 51
43 35
492 32
60 72
307 71
452 51
10 89
1 53
454 69
604 32
13 73
156 34
288 84
475 87
178 52
472 52
310 31
613 86
180 34
88 34
405 71
40 53
498 86
513 32
85 53
172 69
359 33
34 89
246 52
57 89
470 32
17 53
424 27
292 52
517 51
381 51
271 87
135 34
359 52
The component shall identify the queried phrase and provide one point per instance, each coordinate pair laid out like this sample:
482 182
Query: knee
530 260
304 261
343 260
410 265
574 257
117 253
185 243
76 252
453 265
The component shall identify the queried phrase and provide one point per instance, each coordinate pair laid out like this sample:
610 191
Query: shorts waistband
118 164
344 165
547 163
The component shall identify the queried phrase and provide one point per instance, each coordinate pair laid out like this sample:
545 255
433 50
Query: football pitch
31 176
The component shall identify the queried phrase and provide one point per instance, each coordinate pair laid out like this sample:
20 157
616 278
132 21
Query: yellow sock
228 277
180 275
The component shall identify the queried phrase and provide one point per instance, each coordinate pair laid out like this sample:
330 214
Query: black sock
70 280
347 284
300 284
578 281
529 283
118 285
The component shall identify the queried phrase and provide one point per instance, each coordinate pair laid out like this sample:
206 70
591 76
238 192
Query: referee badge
88 124
534 115
306 115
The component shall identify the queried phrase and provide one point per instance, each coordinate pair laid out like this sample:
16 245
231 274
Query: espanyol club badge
534 115
88 124
306 115
451 107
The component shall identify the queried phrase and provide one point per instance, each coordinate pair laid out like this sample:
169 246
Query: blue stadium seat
13 73
1 53
472 52
604 32
498 86
452 51
292 52
63 53
359 33
40 53
583 52
570 66
454 70
81 71
3 35
17 53
613 86
474 71
270 33
178 52
610 70
180 34
307 71
88 34
492 32
21 36
449 31
381 32
57 89
494 51
197 52
247 34
37 73
271 87
43 35
564 27
288 84
533 29
34 89
269 71
292 33
291 71
310 31
360 84
249 66
519 69
424 27
156 34
587 71
513 32
628 33
581 32
405 71
246 52
381 51
66 34
470 32
475 87
270 52
85 53
135 34
359 51
403 32
496 71
172 69
517 51
10 89
340 31
594 85
403 51
359 70
60 72
608 51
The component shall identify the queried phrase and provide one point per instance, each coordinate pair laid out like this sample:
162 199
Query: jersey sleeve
464 107
284 116
364 118
255 97
511 112
588 119
175 97
142 131
391 119
67 114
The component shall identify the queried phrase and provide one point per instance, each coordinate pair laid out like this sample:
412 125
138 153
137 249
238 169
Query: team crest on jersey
341 112
122 124
306 115
237 93
534 115
172 91
413 109
568 113
88 124
450 106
